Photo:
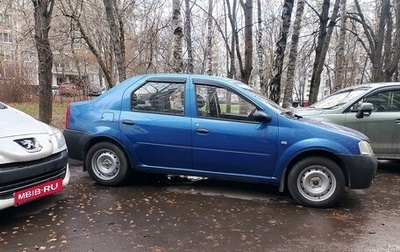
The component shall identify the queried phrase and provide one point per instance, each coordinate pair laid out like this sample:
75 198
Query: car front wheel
107 164
316 182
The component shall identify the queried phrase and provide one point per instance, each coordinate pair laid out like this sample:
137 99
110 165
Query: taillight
67 114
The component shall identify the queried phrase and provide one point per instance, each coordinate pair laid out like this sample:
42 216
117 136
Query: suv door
383 124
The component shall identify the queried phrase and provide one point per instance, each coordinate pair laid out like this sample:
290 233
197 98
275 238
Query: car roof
373 85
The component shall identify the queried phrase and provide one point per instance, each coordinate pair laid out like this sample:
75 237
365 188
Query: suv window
159 97
217 102
385 101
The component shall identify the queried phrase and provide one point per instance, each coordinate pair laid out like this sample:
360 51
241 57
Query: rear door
156 125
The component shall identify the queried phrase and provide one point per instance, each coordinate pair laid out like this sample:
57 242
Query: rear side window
159 97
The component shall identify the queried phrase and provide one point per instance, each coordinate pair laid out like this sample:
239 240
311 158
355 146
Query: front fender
293 152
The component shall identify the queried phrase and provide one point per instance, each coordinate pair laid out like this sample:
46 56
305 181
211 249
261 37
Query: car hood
308 111
336 128
17 123
23 138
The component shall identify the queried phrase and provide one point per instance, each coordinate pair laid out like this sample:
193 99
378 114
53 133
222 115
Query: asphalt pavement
157 214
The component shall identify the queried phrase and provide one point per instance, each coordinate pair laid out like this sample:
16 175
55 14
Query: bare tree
383 52
97 45
188 36
209 38
235 38
260 48
117 37
275 83
340 59
247 67
43 10
288 93
178 35
324 38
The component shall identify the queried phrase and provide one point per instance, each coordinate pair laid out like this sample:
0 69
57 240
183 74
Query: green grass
32 109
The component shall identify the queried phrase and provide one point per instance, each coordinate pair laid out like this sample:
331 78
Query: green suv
373 109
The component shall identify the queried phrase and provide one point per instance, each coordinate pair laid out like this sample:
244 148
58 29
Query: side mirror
261 116
365 109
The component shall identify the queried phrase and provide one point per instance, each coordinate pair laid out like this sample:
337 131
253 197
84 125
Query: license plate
38 191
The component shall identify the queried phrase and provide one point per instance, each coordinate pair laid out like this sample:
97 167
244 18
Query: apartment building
18 55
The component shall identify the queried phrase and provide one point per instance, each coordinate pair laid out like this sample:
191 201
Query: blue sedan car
218 128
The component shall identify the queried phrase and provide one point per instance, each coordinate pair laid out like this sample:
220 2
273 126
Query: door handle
202 131
397 121
128 122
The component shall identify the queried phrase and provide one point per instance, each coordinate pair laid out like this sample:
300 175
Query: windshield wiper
291 114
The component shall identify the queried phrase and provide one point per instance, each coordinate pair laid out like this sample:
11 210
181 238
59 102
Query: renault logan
214 127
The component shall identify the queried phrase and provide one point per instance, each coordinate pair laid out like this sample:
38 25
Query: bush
14 84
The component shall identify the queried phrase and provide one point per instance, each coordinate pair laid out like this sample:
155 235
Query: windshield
338 99
264 99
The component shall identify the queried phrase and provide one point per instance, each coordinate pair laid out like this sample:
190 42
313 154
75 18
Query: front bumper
361 170
16 177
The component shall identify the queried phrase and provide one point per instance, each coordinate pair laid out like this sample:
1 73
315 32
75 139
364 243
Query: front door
226 141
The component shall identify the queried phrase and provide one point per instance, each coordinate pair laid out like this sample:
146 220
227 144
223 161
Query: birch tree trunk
178 35
275 83
288 93
115 38
263 85
340 60
209 38
188 36
324 38
43 10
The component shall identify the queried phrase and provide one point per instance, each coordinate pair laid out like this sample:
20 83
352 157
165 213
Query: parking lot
179 215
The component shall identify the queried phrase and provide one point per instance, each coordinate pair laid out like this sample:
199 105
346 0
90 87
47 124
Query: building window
6 37
6 55
27 56
5 18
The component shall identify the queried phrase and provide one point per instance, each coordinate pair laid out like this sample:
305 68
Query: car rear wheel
107 164
316 182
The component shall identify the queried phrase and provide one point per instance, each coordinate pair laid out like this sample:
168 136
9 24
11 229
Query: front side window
159 97
217 102
385 101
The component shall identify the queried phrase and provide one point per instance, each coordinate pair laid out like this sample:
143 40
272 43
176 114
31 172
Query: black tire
107 164
316 182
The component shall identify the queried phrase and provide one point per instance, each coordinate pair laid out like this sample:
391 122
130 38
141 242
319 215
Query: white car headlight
59 137
365 148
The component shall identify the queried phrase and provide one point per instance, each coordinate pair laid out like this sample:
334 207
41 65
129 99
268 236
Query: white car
33 158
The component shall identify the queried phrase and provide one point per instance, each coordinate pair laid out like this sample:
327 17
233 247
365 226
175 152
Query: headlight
365 148
59 137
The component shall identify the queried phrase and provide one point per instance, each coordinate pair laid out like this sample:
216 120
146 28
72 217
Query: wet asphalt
157 215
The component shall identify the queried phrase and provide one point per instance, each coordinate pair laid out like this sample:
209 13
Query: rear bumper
76 143
361 170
